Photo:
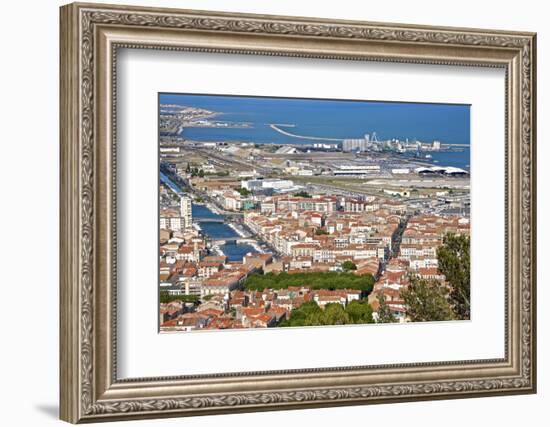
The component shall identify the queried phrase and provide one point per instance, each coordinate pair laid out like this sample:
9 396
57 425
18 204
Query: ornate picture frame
90 37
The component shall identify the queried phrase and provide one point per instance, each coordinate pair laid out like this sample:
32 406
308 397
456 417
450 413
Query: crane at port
373 138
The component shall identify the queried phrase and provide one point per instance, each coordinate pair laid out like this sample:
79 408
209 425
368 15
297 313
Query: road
396 243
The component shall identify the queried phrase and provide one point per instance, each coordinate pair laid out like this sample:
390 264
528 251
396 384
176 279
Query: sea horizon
338 119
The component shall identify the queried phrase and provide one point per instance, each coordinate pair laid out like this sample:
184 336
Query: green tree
303 194
243 192
384 313
334 314
427 300
360 312
165 297
349 266
308 314
314 319
310 307
320 232
297 318
454 262
316 280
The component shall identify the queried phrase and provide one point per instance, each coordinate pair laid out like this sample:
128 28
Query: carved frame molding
89 387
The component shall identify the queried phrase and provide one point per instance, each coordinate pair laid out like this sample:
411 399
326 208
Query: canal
219 230
214 230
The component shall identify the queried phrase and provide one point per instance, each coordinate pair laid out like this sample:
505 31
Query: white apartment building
168 221
171 219
275 184
186 210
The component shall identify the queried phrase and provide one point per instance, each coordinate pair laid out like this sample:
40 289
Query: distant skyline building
358 144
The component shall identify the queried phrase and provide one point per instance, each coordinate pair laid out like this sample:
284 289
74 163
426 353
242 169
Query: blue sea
459 159
339 119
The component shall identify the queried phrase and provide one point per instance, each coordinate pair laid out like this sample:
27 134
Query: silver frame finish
90 37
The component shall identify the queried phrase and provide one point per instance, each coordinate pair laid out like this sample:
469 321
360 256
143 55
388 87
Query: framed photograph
265 213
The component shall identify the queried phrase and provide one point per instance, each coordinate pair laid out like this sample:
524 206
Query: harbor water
448 123
220 230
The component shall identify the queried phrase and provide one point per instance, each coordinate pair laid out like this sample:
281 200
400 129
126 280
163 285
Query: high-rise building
359 144
186 210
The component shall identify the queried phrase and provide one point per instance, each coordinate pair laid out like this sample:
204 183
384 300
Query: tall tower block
186 210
